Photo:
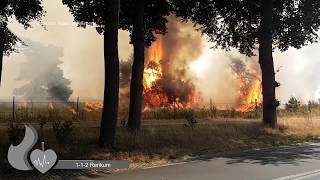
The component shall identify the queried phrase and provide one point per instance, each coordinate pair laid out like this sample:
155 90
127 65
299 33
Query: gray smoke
44 77
243 70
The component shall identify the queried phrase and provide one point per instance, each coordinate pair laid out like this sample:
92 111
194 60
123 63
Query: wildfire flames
157 92
153 70
250 95
93 106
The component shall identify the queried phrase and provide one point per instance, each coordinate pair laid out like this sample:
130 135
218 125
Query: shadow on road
52 174
277 156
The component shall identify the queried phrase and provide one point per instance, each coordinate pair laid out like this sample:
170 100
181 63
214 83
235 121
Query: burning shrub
293 104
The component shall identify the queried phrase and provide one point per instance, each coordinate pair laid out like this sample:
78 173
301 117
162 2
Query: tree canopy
236 23
88 12
23 12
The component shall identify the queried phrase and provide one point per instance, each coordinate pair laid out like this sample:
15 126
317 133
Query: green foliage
236 24
24 12
88 12
62 131
203 113
293 104
313 105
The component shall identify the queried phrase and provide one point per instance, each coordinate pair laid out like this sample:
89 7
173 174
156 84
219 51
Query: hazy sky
82 48
82 60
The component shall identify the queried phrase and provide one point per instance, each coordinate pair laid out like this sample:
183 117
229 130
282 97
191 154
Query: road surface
298 162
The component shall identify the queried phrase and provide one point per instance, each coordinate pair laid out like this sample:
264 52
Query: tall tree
104 14
111 88
23 12
248 25
136 86
88 12
143 19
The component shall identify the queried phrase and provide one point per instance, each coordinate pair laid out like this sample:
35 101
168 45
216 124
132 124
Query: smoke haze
42 73
189 54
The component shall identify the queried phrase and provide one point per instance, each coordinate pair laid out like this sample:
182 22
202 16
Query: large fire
250 96
155 84
162 89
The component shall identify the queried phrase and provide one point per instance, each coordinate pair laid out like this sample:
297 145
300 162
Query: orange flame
250 97
93 106
153 92
153 70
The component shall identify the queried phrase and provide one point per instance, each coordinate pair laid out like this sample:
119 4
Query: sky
82 51
82 61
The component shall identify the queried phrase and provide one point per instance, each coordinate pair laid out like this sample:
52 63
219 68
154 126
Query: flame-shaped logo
18 155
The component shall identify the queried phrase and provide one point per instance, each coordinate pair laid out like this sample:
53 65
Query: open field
167 134
159 143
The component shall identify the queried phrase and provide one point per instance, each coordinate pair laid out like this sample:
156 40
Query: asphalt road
299 162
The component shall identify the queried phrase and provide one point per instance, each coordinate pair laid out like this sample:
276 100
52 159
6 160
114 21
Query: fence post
256 107
77 107
13 109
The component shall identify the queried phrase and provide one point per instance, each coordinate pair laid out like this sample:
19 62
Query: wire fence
35 109
20 110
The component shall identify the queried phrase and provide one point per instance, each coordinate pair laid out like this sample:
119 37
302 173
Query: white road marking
301 176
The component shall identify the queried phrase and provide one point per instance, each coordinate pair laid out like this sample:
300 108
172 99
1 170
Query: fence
35 109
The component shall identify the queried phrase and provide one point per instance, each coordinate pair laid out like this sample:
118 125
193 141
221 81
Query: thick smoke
244 71
181 46
246 75
42 73
189 64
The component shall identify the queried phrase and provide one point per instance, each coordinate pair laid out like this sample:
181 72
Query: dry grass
158 144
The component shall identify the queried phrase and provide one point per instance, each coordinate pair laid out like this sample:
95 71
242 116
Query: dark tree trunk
2 40
136 86
266 63
111 89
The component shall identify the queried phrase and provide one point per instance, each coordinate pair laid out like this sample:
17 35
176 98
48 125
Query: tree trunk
111 89
136 86
266 63
2 40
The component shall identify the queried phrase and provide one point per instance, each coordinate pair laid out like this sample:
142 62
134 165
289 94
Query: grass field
159 143
166 135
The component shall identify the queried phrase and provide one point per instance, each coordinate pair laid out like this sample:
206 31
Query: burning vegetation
250 87
167 81
162 88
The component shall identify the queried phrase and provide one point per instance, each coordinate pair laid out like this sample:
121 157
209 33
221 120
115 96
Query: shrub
212 109
15 134
312 105
293 104
42 122
62 130
190 118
